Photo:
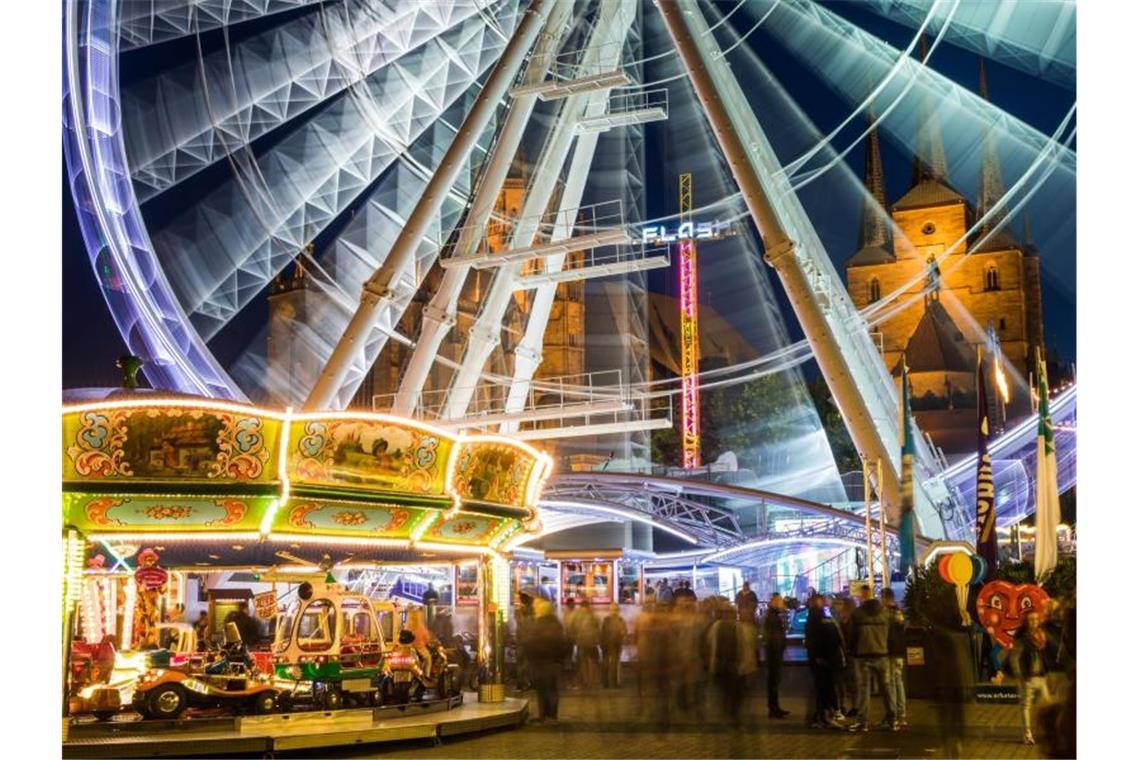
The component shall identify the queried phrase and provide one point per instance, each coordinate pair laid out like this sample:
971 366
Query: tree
842 448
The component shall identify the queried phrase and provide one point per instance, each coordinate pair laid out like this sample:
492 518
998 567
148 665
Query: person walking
775 641
846 686
1029 662
952 677
731 660
613 636
524 619
747 603
871 628
896 651
587 636
689 632
824 645
547 648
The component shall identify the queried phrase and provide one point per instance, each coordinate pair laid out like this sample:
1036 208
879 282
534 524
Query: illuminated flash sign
653 233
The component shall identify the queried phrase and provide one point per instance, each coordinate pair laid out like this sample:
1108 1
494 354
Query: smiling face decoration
1002 608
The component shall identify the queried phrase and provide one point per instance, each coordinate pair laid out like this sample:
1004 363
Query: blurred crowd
696 658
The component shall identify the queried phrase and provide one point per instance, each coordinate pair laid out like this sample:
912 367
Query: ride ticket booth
160 492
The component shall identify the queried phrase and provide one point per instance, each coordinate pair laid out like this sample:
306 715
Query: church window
992 278
875 293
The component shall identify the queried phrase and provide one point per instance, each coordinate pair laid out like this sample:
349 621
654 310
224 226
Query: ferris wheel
215 146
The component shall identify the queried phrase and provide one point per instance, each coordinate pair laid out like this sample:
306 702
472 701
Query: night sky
91 341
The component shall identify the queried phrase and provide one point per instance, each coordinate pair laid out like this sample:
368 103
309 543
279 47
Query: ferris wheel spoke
1037 38
181 121
223 250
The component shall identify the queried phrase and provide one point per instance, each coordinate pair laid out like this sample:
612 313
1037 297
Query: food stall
159 492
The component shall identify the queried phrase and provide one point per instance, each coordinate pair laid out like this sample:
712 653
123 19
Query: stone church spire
929 156
875 230
1027 244
992 187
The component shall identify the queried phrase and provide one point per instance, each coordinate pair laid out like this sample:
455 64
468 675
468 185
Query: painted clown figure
150 583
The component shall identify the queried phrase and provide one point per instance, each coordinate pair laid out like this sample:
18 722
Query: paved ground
611 724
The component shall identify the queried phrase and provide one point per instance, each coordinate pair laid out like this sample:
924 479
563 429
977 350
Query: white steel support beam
378 290
440 314
615 17
840 344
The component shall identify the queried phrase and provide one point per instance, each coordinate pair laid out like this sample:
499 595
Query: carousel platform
268 735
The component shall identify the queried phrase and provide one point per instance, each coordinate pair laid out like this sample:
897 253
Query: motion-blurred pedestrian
775 641
613 636
843 608
896 651
746 603
952 676
871 628
547 647
1029 663
587 637
732 658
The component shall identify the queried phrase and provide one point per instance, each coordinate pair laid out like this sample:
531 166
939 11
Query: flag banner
906 483
1048 515
985 517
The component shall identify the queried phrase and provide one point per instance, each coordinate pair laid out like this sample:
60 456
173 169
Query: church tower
949 314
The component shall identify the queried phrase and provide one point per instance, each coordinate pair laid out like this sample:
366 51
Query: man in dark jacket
775 640
613 636
952 674
546 647
871 629
746 603
824 646
896 650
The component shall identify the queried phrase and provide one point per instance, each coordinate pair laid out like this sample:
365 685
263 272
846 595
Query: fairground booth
224 560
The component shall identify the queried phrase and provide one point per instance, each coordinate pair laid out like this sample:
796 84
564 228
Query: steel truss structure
708 514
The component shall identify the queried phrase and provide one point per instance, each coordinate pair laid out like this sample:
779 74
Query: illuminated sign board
656 233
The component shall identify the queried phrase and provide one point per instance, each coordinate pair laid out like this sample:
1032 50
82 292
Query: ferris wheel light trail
1037 37
806 28
223 250
143 23
378 287
243 95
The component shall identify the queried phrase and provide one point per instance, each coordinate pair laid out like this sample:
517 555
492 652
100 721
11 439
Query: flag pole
867 520
882 526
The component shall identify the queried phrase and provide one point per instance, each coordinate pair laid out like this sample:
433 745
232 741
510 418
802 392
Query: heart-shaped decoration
1002 608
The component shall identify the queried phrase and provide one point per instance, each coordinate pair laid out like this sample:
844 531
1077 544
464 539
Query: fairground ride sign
657 233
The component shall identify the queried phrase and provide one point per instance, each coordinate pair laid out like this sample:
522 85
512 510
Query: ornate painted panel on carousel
126 513
466 528
371 454
343 518
497 472
169 443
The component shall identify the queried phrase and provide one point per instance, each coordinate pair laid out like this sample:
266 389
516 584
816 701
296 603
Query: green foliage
1060 583
740 417
846 457
929 600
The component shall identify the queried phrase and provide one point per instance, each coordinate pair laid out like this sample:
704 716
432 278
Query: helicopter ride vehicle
329 648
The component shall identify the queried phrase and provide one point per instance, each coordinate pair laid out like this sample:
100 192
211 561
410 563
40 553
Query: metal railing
496 239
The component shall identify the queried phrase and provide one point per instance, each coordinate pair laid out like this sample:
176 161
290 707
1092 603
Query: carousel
283 580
